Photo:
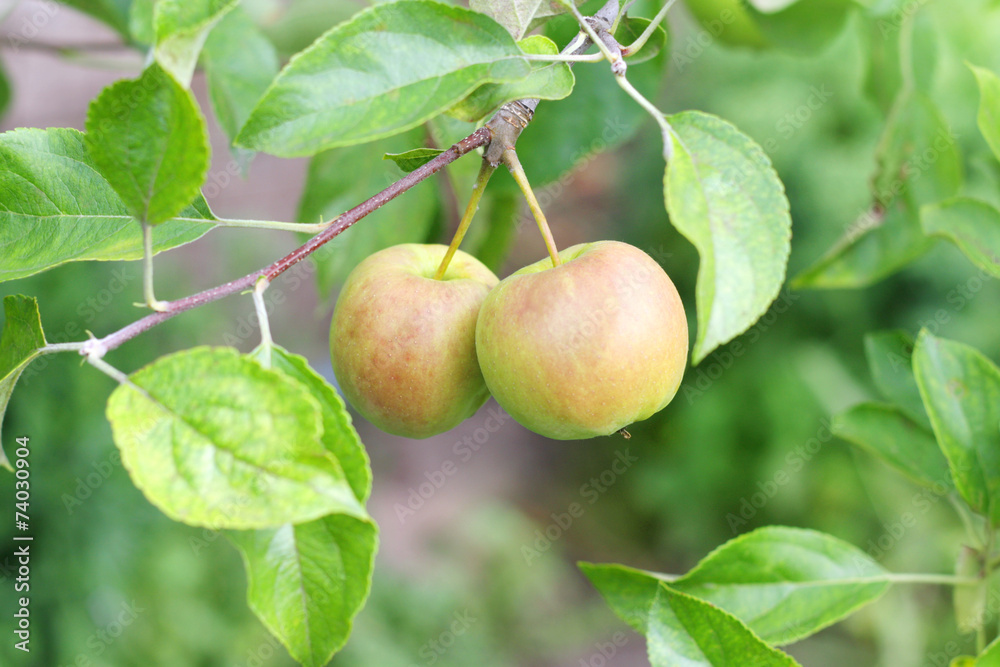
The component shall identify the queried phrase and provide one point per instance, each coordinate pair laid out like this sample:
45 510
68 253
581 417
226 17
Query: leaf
883 79
917 157
724 196
961 392
5 91
547 81
240 63
113 12
331 189
973 226
890 360
686 630
213 439
21 341
140 21
339 436
679 629
55 207
414 158
991 656
360 81
989 107
885 432
629 30
181 27
786 583
306 582
518 16
874 247
148 138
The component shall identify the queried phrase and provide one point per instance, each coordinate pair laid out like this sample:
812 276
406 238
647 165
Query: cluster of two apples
571 351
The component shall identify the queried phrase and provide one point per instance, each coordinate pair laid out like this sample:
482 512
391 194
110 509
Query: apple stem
485 172
517 171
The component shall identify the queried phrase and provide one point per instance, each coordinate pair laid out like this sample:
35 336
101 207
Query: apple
403 345
585 348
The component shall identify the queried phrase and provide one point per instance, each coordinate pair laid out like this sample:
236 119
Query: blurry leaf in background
181 28
344 177
724 196
293 26
890 360
801 26
154 153
140 21
328 96
240 63
58 208
113 12
883 430
21 341
214 439
883 76
730 20
5 91
547 81
989 107
973 226
961 392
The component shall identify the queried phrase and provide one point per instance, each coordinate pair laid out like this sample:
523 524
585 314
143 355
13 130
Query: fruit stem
517 171
485 171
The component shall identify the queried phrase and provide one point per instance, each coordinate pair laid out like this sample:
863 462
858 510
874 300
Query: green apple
403 345
585 348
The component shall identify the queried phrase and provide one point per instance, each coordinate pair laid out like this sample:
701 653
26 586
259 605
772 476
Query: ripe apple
403 345
585 348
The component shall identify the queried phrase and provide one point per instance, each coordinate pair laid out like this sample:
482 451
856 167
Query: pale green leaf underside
547 81
181 27
21 341
360 81
55 207
723 195
973 226
214 439
414 158
306 582
885 432
961 392
147 137
890 360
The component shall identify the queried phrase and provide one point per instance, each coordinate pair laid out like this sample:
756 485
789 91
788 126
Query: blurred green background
467 577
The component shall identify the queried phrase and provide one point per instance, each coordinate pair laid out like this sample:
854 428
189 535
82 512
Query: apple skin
585 348
403 344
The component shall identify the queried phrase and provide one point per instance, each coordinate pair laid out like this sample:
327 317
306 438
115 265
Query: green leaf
917 157
874 247
991 656
140 21
890 360
113 12
55 207
547 81
884 431
306 582
724 196
630 28
414 158
21 341
518 16
339 436
5 91
989 107
884 79
214 439
786 583
181 27
240 63
148 138
331 189
961 392
679 629
973 226
360 81
686 630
